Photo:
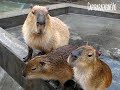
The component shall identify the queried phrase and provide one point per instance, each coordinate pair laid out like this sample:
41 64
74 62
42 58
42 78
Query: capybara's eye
89 55
42 63
33 69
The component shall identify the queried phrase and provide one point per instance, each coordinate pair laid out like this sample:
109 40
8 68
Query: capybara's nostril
41 19
76 53
40 23
74 56
24 74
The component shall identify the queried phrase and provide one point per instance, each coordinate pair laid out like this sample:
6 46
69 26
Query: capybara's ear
31 6
33 11
98 53
90 54
47 8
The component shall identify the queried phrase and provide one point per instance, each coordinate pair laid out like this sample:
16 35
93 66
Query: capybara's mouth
32 76
27 76
41 29
24 73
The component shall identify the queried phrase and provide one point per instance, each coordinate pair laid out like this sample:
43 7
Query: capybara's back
52 66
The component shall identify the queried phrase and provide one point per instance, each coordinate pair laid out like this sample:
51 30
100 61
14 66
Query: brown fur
56 32
52 66
90 72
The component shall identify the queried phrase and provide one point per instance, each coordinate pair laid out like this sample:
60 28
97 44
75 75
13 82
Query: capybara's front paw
27 58
41 53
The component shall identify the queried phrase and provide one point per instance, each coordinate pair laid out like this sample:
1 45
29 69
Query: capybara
52 66
43 32
90 72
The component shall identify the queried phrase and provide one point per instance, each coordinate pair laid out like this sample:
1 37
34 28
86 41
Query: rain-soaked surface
100 30
6 6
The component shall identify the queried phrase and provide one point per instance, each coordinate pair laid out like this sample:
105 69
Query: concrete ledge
10 19
11 53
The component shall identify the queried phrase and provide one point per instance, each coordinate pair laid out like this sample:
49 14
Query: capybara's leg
41 53
29 56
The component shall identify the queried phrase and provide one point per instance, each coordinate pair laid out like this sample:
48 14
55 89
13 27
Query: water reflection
6 6
10 6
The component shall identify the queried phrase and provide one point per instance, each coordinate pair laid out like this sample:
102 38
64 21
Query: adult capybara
43 32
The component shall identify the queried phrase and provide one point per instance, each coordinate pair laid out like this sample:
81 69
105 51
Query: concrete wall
11 19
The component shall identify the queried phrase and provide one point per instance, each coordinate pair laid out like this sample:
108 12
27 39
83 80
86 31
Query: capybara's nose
41 19
76 53
40 23
24 74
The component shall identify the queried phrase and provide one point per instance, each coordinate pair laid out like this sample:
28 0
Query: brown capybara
90 72
52 66
43 32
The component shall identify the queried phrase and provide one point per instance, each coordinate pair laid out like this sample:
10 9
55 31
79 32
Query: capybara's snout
41 19
24 74
76 53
